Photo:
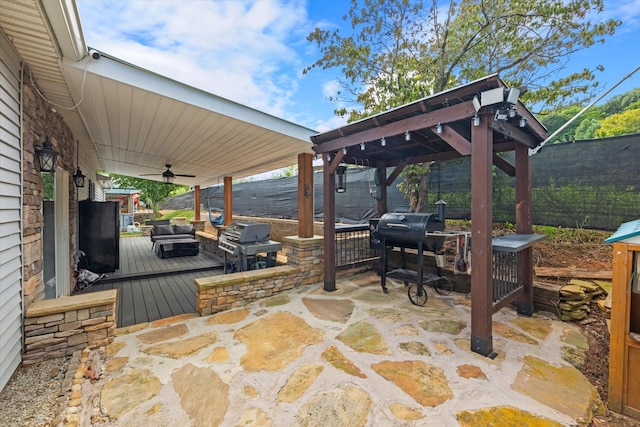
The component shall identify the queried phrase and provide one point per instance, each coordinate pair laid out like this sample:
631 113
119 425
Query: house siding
11 307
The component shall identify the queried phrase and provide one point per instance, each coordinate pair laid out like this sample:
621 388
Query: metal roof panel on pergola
480 119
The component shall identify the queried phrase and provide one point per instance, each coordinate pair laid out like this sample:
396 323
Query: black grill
411 229
406 230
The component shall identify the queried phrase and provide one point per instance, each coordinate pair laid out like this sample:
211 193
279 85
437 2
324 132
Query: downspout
564 126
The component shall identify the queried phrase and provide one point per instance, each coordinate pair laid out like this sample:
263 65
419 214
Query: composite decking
151 288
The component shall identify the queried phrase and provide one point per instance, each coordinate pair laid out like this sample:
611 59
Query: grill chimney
440 204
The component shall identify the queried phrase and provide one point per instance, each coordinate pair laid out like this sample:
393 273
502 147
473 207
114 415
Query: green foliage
624 123
188 214
48 186
400 50
285 172
151 192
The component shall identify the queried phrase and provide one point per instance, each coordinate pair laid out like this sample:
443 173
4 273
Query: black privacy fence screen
591 184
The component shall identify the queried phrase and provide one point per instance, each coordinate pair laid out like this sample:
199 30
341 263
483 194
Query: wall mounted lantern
78 177
341 183
46 156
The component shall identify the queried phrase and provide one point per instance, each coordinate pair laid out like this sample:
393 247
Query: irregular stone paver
339 361
116 364
122 394
363 337
203 395
227 317
537 327
173 319
163 334
276 301
471 371
509 332
406 330
442 348
182 348
450 326
574 337
114 348
415 347
390 315
562 388
275 341
299 382
254 417
503 416
575 356
345 405
218 354
337 310
436 308
405 413
250 391
427 384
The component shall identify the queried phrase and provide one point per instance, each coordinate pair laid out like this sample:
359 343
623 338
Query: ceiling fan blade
185 176
150 174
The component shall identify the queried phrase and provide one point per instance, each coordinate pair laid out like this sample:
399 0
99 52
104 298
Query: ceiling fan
168 176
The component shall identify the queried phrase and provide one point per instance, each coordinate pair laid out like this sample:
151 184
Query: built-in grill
407 230
249 242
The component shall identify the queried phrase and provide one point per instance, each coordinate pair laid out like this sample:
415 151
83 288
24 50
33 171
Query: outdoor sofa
166 232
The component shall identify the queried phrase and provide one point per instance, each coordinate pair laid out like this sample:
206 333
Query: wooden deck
150 288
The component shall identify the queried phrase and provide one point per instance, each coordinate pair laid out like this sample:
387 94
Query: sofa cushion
162 230
183 229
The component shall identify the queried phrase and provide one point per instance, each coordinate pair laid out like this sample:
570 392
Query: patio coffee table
177 248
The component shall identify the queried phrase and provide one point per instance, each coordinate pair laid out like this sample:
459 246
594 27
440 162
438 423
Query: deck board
150 288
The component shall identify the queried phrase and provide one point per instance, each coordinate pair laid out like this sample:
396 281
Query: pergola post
196 202
524 226
228 200
329 202
305 195
481 227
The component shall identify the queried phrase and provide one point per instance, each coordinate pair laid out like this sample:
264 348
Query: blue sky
253 52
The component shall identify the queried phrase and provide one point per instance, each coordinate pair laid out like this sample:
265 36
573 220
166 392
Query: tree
151 192
624 123
400 51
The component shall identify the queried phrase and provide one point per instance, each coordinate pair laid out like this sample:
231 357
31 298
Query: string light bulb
439 128
407 136
383 142
523 122
344 151
362 146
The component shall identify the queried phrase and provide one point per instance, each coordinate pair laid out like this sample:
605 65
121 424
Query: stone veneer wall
60 327
39 121
304 266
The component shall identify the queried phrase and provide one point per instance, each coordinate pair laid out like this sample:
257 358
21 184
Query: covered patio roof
131 121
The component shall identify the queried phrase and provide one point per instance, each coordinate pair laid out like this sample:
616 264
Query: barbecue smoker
246 241
407 230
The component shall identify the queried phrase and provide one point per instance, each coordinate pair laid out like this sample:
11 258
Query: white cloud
240 50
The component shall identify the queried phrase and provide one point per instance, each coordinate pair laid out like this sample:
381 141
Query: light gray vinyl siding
10 213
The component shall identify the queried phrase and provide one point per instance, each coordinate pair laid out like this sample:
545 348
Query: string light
439 128
407 136
362 146
383 142
476 120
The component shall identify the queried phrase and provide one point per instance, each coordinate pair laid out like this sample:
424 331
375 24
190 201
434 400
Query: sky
253 51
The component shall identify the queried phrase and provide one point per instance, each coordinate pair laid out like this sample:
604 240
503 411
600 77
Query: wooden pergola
480 119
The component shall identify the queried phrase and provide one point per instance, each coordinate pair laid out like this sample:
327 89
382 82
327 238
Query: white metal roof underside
130 121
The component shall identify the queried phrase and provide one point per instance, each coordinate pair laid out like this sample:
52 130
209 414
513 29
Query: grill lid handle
396 225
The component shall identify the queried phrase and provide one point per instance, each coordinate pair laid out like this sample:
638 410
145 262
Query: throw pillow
162 230
183 229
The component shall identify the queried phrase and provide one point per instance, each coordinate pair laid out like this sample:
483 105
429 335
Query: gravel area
36 395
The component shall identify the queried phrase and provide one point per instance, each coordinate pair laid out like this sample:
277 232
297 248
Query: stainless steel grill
249 242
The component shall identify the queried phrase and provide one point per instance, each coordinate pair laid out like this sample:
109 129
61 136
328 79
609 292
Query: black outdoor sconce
341 183
78 177
46 156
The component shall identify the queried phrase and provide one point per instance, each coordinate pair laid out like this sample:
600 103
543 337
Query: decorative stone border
60 327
